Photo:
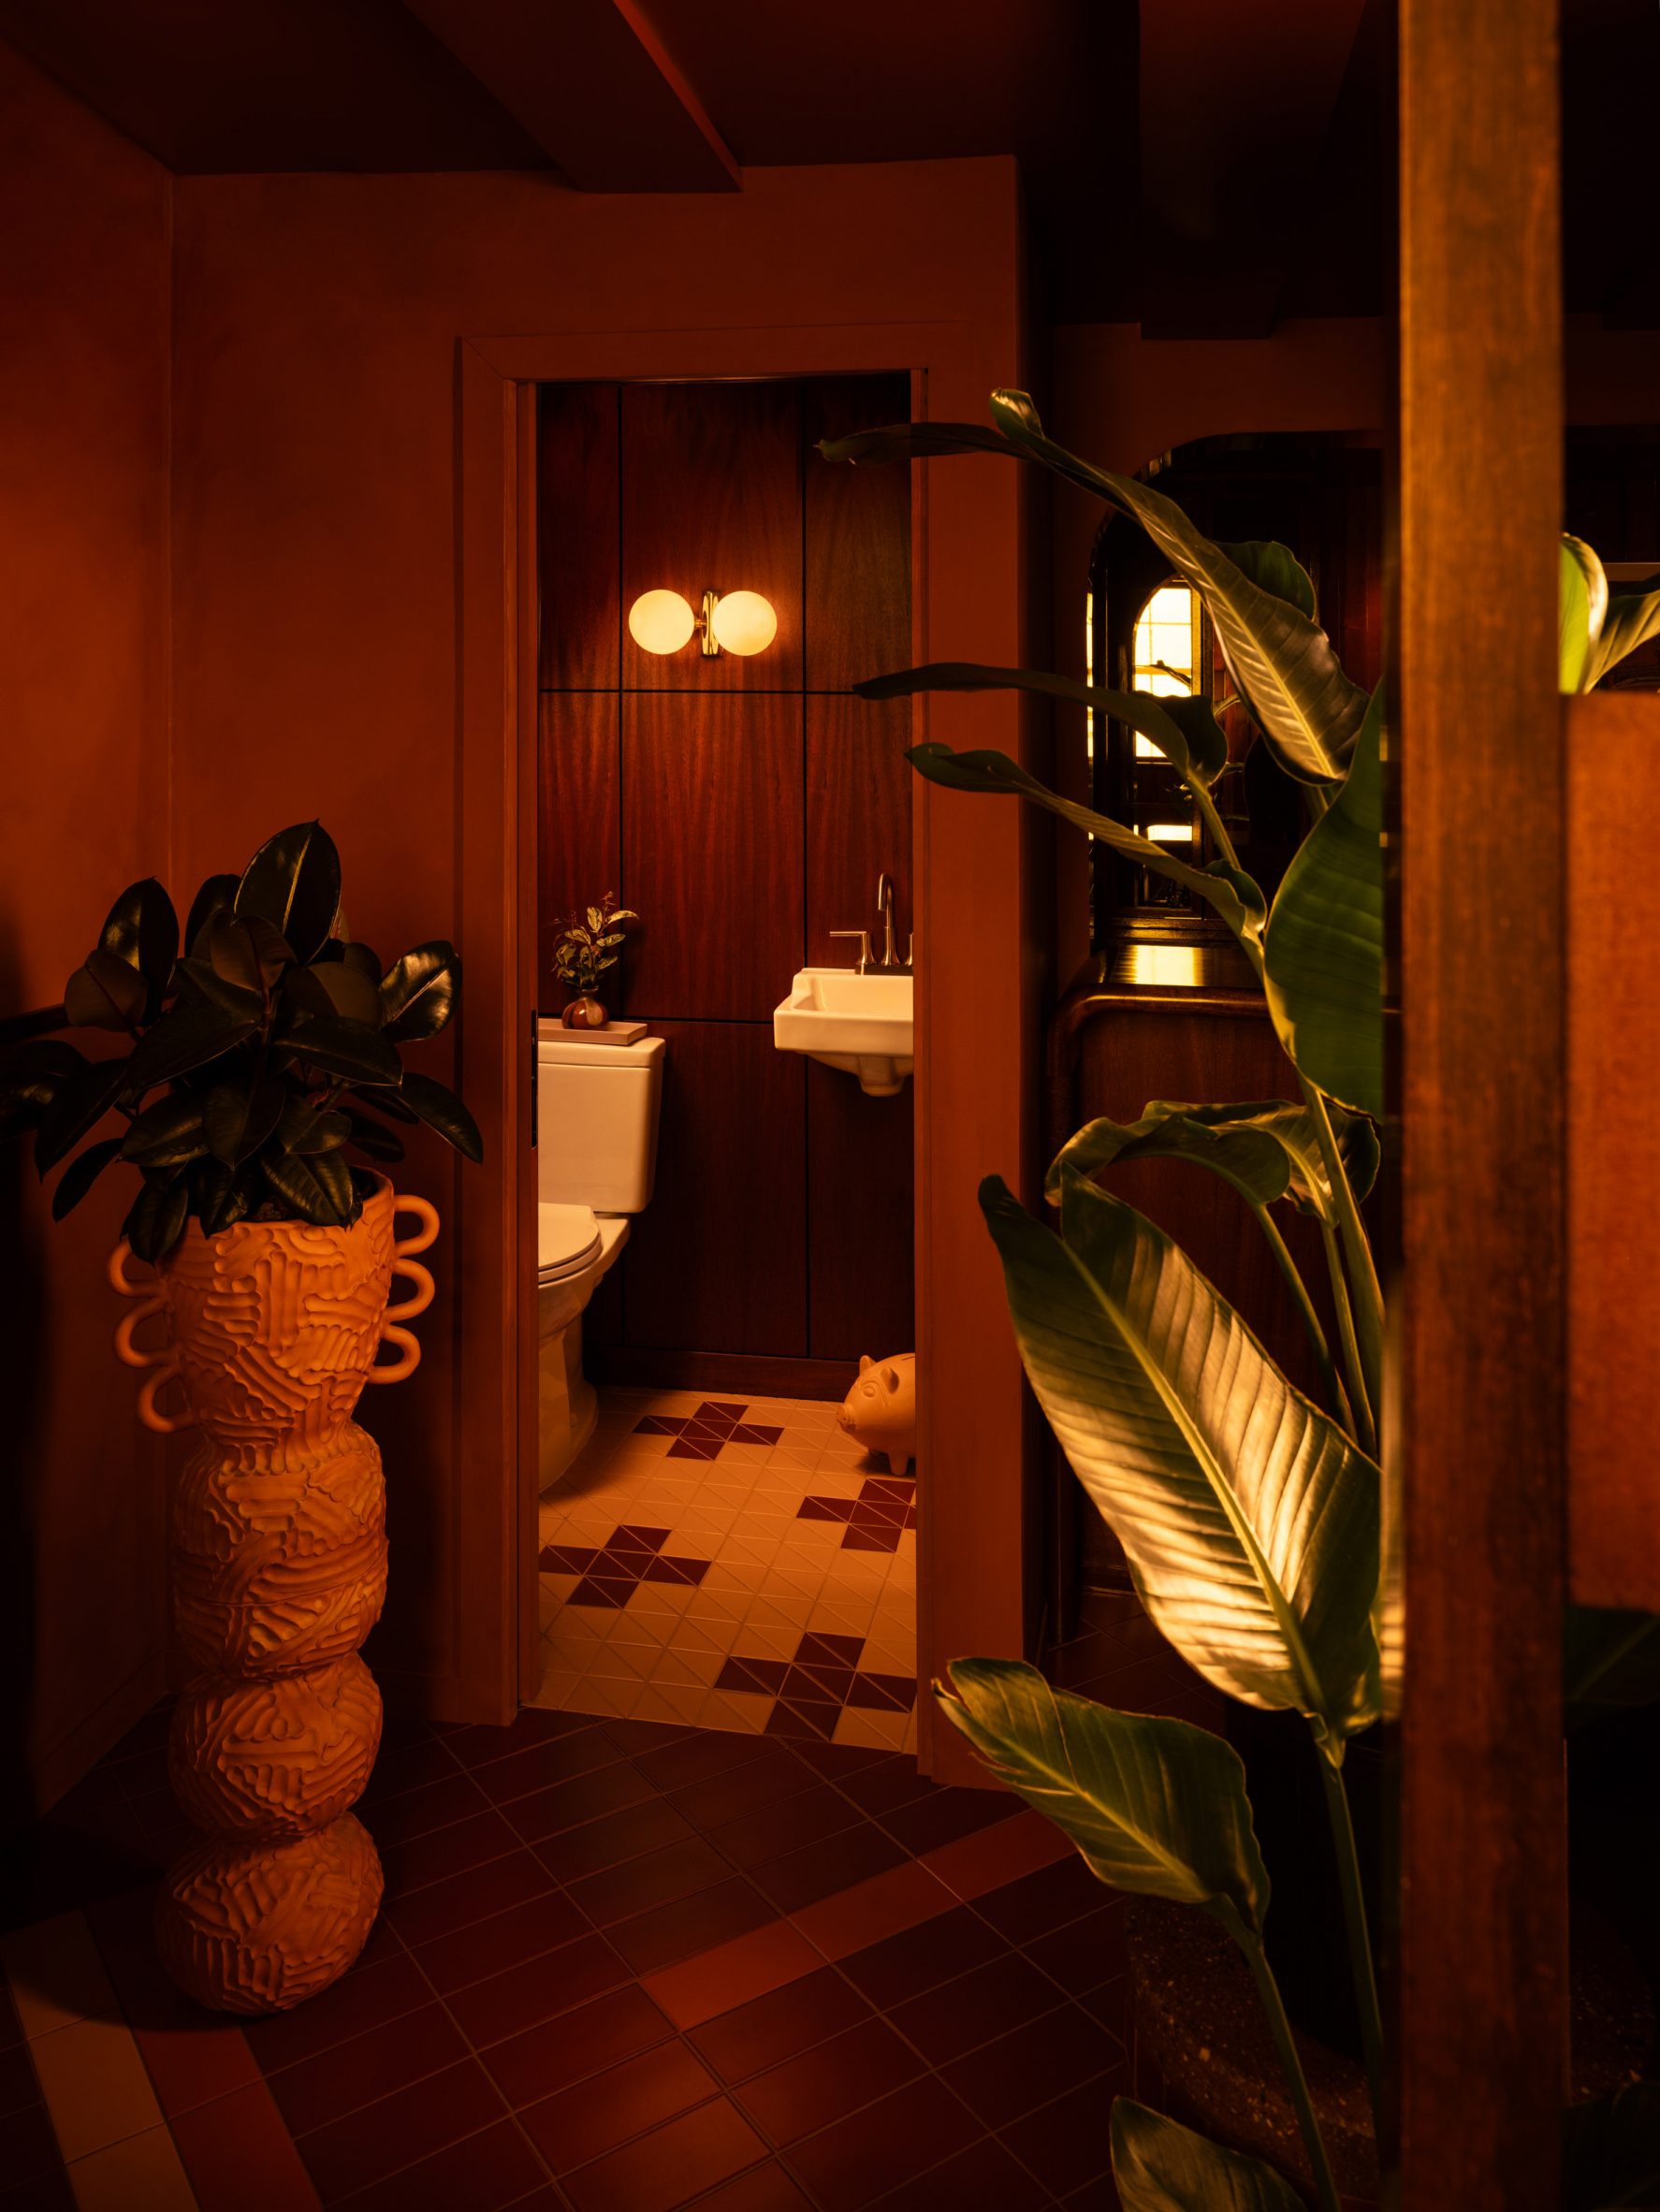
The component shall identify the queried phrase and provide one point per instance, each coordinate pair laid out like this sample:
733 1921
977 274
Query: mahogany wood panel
1475 1408
717 1261
720 1373
579 527
858 820
1613 1016
860 1203
579 825
857 613
711 852
711 501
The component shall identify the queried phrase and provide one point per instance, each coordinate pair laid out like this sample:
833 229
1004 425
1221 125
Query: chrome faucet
884 907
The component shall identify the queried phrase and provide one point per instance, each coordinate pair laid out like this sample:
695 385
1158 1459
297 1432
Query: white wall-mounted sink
860 1024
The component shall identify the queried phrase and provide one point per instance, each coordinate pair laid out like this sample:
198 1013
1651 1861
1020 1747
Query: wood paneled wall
745 807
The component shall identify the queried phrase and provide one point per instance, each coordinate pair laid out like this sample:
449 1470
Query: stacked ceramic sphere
279 1571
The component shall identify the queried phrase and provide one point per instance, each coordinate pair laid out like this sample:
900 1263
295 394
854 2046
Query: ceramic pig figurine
879 1411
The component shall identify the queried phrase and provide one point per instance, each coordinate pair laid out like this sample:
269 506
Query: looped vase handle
163 1365
425 1289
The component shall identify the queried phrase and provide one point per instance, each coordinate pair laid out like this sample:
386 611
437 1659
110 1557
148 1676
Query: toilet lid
567 1238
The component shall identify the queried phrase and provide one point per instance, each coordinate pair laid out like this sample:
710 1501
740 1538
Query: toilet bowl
596 1143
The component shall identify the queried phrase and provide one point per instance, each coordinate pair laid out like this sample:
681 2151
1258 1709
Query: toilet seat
568 1241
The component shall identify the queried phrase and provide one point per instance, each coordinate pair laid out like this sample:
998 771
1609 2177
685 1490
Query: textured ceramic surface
879 1411
279 1554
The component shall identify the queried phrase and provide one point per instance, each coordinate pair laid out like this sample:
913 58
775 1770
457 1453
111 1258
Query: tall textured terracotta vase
278 1568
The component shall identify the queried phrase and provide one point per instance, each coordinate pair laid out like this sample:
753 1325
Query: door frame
973 899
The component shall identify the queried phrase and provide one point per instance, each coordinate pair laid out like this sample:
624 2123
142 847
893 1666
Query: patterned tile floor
623 1967
732 1564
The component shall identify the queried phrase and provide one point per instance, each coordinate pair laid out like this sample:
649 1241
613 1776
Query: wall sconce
740 622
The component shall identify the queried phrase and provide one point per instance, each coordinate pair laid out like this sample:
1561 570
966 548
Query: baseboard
645 1369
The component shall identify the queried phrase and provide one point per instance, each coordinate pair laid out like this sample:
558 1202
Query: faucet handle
864 938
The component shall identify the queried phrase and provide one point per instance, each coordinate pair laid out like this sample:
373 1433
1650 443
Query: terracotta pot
277 1569
585 1013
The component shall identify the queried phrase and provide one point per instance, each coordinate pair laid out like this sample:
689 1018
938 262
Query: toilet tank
596 1120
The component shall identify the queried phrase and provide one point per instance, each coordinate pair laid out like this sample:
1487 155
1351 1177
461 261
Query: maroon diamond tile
824 1510
713 1409
753 1433
657 1424
802 1720
628 1538
871 1539
566 1559
763 1675
590 1592
817 1685
837 1650
694 1447
882 1693
663 1569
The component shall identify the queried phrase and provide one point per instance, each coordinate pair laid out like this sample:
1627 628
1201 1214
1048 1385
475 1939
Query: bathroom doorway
714 1548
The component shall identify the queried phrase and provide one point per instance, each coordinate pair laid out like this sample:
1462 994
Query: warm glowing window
1166 650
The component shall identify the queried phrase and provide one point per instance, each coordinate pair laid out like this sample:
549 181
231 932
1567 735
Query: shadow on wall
23 1346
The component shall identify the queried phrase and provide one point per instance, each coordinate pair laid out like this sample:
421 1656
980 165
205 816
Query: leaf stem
1336 1395
1366 1426
1285 2043
1357 1245
1354 1923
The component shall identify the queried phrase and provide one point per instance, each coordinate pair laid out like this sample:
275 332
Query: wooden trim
523 951
1613 1162
764 1377
1474 1417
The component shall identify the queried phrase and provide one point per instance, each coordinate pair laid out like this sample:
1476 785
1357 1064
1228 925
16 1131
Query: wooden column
1476 1385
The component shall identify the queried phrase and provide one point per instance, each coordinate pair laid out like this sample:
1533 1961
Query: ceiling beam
593 84
1236 104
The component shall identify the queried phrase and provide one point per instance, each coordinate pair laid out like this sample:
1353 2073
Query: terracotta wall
315 568
83 624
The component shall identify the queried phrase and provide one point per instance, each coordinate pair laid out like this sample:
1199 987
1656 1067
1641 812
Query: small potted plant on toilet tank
587 946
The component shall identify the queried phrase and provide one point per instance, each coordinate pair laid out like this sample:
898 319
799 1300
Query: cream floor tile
878 1731
733 1709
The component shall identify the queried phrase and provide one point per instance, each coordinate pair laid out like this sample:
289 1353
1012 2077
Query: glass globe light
660 621
743 622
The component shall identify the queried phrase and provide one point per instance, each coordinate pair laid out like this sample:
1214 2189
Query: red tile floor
623 1967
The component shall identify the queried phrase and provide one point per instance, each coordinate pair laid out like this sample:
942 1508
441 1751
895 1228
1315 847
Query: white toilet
596 1153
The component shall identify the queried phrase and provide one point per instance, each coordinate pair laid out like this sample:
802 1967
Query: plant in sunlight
256 1060
1251 1516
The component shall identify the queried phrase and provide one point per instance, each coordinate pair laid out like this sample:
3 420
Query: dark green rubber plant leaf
80 1174
186 1037
441 1110
418 993
1306 707
1610 2151
167 1134
238 1117
317 1186
293 883
1160 2166
340 1047
30 1076
389 1103
1265 1147
1323 948
78 1104
1581 604
217 895
333 987
221 1196
106 991
157 1216
1155 1806
1249 1520
1632 618
1232 894
918 441
245 950
200 983
371 1136
142 929
1192 743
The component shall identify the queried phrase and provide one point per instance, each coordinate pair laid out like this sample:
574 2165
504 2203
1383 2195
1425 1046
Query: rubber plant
1249 1514
259 1057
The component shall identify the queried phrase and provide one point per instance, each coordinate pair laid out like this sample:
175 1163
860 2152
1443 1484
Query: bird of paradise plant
1250 1515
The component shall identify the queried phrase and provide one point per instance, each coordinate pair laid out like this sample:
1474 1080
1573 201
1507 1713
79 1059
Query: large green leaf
245 950
1277 569
342 1047
1192 743
334 987
156 1218
1323 950
142 929
1249 1520
1632 618
238 1116
1155 1805
1232 895
217 895
371 1136
106 991
441 1110
1267 1148
1582 601
1308 710
200 982
186 1037
420 992
317 1186
1160 2166
293 883
167 1134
